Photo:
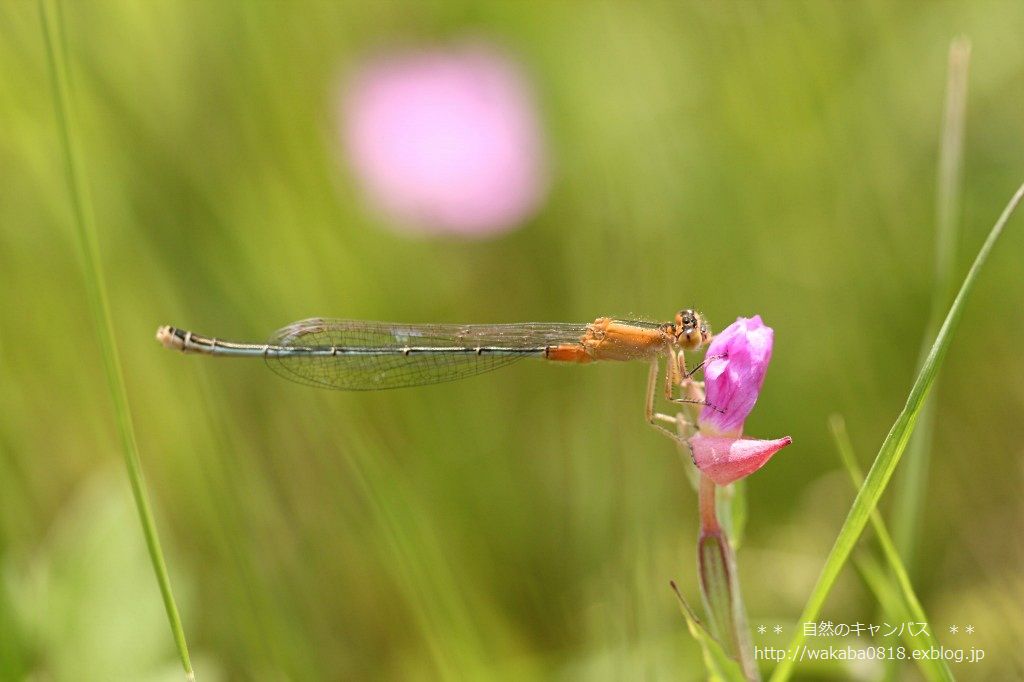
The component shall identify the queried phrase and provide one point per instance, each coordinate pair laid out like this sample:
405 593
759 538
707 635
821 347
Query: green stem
719 585
99 307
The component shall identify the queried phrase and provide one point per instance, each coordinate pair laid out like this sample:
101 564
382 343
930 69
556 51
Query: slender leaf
716 590
932 669
719 664
894 445
914 477
99 308
731 506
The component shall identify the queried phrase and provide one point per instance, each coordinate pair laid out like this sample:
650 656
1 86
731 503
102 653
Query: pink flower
733 378
446 141
734 375
725 460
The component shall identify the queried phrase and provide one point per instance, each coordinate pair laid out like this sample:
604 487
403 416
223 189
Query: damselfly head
691 330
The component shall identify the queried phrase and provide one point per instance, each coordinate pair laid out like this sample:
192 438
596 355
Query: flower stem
719 584
706 497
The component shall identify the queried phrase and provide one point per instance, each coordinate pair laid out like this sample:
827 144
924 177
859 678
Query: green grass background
777 159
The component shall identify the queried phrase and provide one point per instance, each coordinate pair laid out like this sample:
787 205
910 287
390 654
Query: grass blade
914 477
99 308
893 446
931 669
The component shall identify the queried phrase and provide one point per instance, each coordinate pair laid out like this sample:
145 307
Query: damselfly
353 355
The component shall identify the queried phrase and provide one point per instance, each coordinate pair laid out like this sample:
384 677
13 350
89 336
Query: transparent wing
355 355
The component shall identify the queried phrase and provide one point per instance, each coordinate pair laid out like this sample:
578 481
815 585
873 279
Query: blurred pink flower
446 141
725 460
734 375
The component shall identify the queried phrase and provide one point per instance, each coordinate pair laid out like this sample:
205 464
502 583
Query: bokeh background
742 158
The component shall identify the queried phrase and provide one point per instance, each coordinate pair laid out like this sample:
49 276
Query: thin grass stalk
913 484
99 308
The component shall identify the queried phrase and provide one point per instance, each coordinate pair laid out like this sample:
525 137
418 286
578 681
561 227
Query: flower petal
734 379
725 460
